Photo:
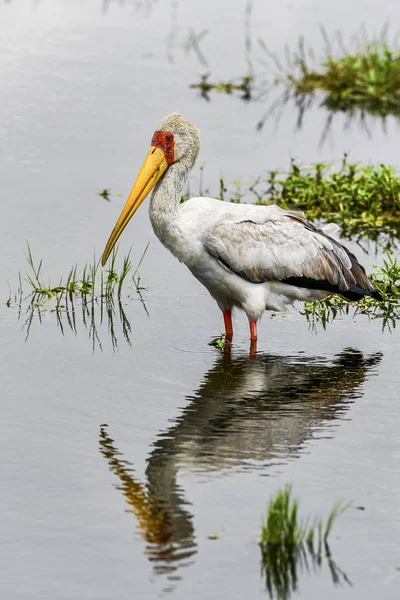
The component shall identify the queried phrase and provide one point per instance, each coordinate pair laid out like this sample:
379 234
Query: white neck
165 201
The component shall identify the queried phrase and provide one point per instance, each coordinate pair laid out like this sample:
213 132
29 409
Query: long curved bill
154 165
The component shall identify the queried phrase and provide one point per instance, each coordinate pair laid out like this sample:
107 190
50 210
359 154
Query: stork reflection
246 414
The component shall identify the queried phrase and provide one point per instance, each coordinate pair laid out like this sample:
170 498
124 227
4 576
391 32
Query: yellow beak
153 167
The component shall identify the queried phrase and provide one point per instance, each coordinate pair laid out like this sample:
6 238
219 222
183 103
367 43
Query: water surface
120 462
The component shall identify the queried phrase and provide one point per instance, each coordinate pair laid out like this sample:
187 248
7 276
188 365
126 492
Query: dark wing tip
377 295
353 294
358 292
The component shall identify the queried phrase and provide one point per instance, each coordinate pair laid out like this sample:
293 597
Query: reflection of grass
362 199
361 81
287 545
92 290
368 78
243 85
386 280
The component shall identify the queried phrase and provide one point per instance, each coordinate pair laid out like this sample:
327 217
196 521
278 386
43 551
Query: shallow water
120 462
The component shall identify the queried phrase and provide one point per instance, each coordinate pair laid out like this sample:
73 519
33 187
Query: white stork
248 257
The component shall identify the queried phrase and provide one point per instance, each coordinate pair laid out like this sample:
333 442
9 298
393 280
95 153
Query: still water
123 459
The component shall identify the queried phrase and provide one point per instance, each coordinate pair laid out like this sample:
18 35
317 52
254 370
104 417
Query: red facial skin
165 141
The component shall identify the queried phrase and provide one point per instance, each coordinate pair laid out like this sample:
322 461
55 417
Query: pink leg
253 339
253 331
228 322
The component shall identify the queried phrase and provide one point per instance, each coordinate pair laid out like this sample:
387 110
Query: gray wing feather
281 246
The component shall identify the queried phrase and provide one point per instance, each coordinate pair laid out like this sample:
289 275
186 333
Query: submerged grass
89 283
219 341
386 280
81 294
289 544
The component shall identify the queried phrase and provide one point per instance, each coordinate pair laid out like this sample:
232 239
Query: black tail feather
354 294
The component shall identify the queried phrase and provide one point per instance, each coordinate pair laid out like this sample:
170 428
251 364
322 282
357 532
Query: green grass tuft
88 284
287 544
92 290
282 526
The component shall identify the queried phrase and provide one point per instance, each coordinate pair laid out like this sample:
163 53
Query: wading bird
249 257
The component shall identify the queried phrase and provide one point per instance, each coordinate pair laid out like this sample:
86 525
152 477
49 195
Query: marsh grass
386 280
290 545
282 526
92 282
92 296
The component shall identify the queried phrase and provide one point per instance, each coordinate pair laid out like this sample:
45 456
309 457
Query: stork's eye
168 138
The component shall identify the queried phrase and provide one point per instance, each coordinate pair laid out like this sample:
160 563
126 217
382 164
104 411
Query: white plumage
214 243
249 257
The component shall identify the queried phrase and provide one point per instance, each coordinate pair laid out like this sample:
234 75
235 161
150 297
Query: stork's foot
228 347
228 324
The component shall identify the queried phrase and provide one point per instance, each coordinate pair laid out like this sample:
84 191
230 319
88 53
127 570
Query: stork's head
175 141
185 142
